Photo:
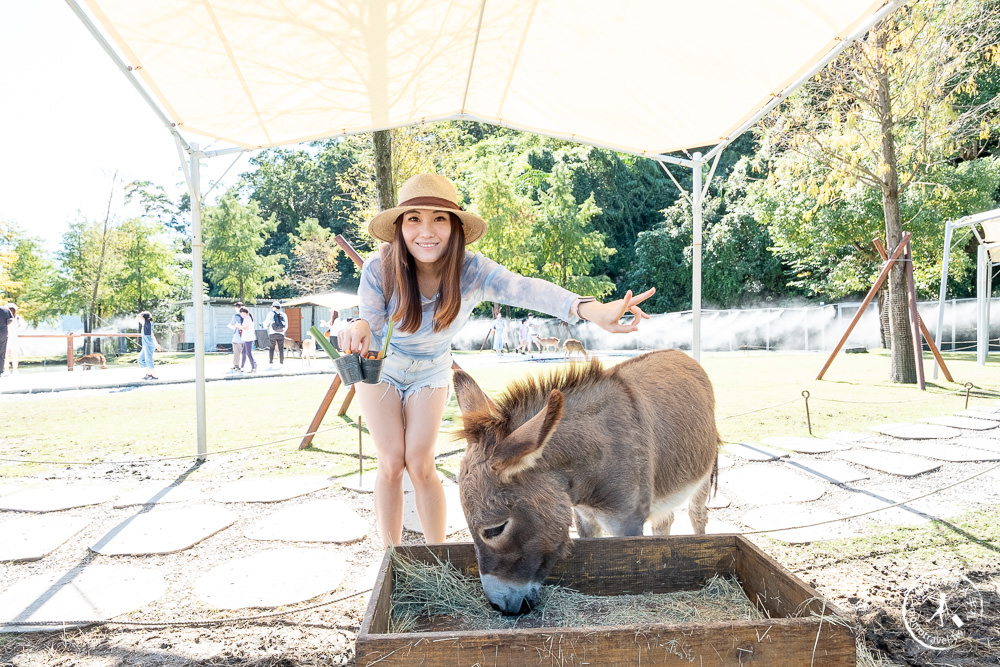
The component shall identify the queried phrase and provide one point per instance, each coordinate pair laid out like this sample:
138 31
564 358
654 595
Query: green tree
30 276
829 247
313 258
235 235
147 268
740 268
509 215
566 246
85 262
882 115
9 284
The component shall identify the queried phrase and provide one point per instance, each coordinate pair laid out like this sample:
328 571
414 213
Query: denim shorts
408 376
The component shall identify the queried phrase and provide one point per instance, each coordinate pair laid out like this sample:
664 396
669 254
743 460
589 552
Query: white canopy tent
986 228
648 77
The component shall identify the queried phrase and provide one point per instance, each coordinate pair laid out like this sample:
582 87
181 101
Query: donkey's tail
714 479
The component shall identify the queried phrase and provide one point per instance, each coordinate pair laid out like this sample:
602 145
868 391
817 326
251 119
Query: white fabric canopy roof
640 76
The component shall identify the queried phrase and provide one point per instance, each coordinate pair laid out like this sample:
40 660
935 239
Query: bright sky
69 119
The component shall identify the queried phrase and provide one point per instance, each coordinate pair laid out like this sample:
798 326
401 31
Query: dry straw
436 595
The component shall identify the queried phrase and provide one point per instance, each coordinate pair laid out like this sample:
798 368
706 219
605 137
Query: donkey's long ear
470 397
522 449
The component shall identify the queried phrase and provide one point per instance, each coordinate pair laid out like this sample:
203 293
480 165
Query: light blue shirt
482 280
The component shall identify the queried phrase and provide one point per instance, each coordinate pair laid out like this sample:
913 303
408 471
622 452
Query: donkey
613 447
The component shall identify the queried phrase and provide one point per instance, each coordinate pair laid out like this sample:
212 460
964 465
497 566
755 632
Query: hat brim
382 225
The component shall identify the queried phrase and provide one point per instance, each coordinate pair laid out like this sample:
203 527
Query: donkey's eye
495 531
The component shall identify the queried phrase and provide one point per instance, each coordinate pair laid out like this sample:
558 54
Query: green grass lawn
758 395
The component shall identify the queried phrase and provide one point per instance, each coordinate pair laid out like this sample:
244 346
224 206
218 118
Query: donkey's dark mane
526 396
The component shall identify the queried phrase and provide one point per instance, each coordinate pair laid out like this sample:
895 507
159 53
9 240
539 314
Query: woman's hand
607 315
355 337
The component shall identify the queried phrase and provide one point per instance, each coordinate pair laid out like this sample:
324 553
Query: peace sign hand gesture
608 315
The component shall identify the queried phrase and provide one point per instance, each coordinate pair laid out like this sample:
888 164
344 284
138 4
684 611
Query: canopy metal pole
938 334
197 300
982 298
697 197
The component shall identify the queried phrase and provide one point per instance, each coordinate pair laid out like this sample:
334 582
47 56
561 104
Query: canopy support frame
984 282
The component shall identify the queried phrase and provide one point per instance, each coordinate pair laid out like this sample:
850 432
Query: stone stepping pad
316 521
968 423
904 465
978 414
805 445
269 489
272 578
365 483
93 592
849 437
913 514
835 472
27 538
759 484
950 451
7 488
765 518
917 431
987 444
752 452
57 496
986 409
455 519
157 494
163 531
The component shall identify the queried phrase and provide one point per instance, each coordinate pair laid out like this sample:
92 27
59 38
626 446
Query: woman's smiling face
426 234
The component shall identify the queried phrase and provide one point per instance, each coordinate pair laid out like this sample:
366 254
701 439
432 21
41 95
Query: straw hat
426 191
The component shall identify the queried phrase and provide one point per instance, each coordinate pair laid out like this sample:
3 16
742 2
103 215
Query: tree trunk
903 367
92 345
383 169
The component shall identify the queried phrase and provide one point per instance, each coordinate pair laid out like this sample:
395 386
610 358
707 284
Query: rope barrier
879 509
750 412
180 458
185 623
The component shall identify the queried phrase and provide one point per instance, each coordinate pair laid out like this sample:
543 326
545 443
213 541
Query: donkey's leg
586 524
698 507
662 524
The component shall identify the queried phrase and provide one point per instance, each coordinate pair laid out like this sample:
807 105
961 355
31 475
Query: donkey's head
518 514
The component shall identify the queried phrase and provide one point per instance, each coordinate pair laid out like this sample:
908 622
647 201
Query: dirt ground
867 582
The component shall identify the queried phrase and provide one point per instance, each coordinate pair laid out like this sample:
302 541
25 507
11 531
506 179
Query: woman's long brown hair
399 276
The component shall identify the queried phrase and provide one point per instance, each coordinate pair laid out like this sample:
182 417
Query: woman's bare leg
423 412
383 412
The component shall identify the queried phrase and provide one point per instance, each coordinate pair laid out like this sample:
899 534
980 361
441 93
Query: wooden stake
920 322
883 274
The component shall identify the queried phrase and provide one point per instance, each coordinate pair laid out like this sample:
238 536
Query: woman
149 342
248 336
428 284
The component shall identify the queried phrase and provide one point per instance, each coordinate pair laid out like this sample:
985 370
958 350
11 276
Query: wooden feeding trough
800 628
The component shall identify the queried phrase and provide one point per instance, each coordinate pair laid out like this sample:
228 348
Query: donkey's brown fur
616 447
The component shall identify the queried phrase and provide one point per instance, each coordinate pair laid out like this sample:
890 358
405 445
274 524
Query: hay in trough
436 596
